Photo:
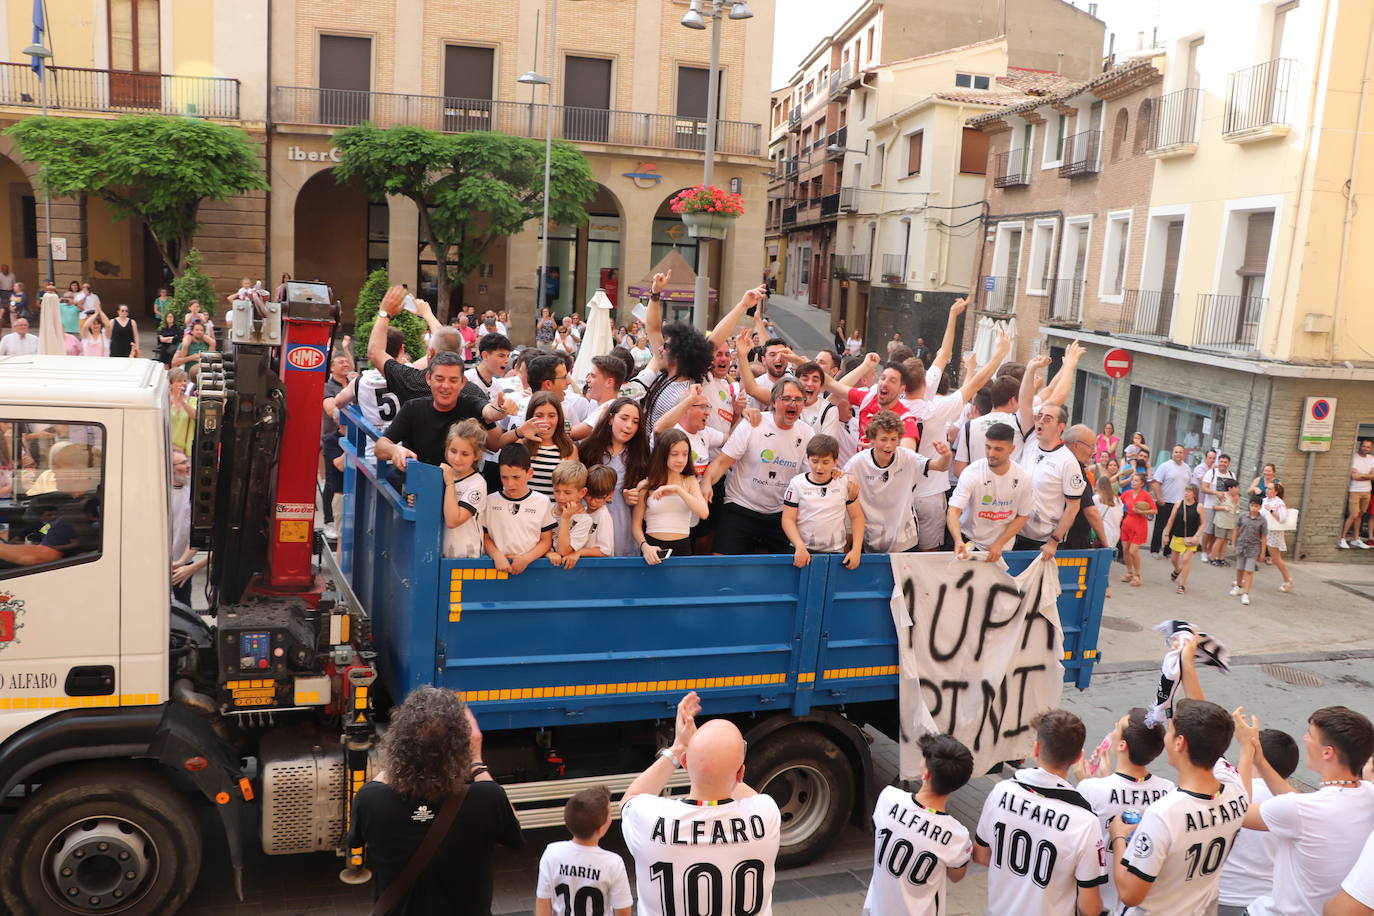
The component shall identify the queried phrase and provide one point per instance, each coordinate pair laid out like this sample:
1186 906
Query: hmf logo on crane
306 358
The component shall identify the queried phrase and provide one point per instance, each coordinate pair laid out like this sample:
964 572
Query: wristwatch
668 753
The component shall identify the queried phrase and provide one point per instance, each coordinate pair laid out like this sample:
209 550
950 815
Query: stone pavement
805 327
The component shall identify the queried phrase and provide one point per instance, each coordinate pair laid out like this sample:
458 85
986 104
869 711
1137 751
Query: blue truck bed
616 640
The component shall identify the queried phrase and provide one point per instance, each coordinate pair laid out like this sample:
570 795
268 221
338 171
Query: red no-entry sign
1117 363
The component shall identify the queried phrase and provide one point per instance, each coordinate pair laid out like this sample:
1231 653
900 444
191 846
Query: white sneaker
1343 544
1244 599
1235 590
1363 545
331 533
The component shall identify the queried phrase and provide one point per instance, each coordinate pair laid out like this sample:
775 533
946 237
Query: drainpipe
1351 186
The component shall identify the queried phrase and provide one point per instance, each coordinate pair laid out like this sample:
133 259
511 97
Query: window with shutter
1257 233
913 153
973 154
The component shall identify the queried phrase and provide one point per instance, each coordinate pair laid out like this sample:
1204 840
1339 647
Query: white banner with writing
980 654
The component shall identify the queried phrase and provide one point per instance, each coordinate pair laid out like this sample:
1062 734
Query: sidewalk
805 327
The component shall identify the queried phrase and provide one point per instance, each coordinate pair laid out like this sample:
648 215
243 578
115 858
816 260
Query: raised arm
942 355
747 381
1063 379
653 319
982 376
842 386
726 326
1025 400
376 340
678 410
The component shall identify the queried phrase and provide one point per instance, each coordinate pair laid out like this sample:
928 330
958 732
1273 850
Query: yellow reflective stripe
66 702
589 690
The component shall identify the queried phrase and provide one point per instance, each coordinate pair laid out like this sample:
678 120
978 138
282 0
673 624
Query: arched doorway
587 257
19 228
334 243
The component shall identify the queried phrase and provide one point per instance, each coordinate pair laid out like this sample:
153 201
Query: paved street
1293 653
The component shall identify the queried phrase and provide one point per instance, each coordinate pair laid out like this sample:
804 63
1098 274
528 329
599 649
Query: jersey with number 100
703 860
913 848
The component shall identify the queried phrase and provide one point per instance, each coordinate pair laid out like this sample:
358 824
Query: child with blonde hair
464 490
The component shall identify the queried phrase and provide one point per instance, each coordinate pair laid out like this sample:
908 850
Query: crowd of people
1079 830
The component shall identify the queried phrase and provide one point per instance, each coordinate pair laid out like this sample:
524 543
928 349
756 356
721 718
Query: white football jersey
465 541
1045 843
1056 478
973 440
715 858
378 405
1182 843
885 495
912 849
823 417
516 524
1109 796
582 879
821 511
766 458
990 502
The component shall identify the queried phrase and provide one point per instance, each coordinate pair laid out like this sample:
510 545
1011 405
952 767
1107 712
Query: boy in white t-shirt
919 845
580 529
887 474
577 876
816 504
1130 785
517 523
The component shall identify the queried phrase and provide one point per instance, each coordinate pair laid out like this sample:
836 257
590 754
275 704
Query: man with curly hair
432 747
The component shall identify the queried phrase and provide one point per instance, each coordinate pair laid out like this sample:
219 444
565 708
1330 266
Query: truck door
60 551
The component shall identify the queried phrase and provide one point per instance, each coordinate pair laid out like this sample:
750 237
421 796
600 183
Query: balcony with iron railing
849 200
839 80
1012 169
1082 154
1145 313
789 215
1173 125
119 92
835 143
999 296
1230 323
851 266
794 119
342 107
894 268
830 204
1257 102
1063 307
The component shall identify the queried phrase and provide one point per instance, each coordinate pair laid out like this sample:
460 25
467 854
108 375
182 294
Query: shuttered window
913 152
973 153
1257 233
468 72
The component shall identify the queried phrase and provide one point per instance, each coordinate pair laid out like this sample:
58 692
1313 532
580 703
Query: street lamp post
536 79
696 19
39 54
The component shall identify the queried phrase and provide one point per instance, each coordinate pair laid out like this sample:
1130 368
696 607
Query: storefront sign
1318 422
296 154
644 176
980 654
1117 363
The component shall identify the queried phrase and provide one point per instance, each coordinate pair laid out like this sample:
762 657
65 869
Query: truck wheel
813 783
101 840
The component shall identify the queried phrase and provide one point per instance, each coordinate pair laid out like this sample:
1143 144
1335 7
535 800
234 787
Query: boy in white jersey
577 876
721 841
887 473
1038 836
584 530
517 523
1318 835
816 504
919 845
993 499
464 490
1170 865
1249 870
1131 785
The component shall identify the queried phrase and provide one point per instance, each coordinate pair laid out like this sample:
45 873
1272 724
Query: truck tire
101 840
813 783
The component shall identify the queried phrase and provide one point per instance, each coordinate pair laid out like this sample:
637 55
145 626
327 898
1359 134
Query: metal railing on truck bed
616 640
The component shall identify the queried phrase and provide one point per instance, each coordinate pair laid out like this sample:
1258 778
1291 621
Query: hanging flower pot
708 211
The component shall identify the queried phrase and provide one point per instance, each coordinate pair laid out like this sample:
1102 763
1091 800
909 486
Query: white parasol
597 340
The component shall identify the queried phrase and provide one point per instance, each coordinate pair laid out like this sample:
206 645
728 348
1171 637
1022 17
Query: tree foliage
365 315
193 284
153 167
471 189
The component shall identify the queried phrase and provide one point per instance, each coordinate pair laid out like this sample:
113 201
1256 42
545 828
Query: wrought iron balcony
894 268
1012 169
1257 101
851 266
830 204
789 215
838 139
1228 322
1173 125
840 78
1082 155
849 200
1001 298
340 107
794 119
119 91
1145 313
1064 305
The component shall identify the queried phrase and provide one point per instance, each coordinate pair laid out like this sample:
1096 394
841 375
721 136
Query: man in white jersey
973 434
725 396
375 401
1249 870
761 460
993 499
819 413
1056 479
1038 836
1318 834
918 845
1170 865
1130 785
719 844
936 414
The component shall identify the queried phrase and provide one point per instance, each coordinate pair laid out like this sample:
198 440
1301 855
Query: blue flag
38 29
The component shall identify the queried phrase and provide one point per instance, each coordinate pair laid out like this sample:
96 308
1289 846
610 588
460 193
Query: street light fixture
39 55
696 19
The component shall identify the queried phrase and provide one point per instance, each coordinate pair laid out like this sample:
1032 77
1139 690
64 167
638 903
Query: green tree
471 189
365 315
153 167
193 284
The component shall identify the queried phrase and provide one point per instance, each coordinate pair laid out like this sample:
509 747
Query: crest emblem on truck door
11 610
